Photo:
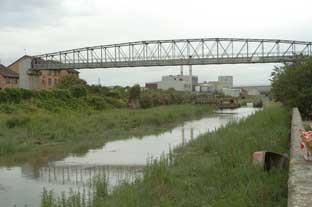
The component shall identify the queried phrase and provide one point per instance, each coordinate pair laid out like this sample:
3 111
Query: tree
134 92
70 81
134 97
76 86
292 85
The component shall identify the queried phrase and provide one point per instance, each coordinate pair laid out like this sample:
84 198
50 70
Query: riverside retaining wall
300 171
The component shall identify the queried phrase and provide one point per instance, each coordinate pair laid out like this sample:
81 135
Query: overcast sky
41 26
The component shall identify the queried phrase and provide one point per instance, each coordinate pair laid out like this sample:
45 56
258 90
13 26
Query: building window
49 81
8 80
50 72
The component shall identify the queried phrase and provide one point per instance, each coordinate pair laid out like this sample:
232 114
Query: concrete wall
21 67
300 171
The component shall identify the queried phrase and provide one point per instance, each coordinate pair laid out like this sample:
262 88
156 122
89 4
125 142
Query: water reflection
120 161
81 175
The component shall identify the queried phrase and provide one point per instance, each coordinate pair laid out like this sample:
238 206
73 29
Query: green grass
39 136
213 170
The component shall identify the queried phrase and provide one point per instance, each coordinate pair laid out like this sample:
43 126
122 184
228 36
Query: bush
3 96
292 85
13 95
134 92
146 101
97 102
97 89
62 94
78 91
43 95
26 94
116 102
70 81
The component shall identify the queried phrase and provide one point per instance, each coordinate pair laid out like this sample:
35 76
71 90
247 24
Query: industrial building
216 86
231 92
226 81
208 87
224 85
37 79
178 82
254 90
190 83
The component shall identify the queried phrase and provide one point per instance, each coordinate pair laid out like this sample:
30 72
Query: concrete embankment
300 171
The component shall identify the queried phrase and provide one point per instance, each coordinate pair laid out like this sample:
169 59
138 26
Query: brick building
38 79
8 78
50 78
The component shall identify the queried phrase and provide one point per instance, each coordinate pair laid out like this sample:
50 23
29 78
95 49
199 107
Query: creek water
119 161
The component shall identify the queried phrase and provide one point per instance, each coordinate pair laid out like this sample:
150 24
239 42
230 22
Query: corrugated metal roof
5 72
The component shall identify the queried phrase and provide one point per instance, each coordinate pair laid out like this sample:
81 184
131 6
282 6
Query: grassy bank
41 135
213 170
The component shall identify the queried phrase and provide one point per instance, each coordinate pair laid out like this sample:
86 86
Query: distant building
38 79
178 82
254 90
152 85
231 92
8 78
210 87
226 81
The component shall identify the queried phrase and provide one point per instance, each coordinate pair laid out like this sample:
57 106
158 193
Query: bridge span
176 52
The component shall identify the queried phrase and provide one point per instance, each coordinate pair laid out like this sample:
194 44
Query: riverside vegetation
213 170
38 126
292 85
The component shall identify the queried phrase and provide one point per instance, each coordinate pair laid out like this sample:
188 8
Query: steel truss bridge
176 52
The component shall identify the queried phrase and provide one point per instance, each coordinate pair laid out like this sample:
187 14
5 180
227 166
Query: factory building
37 79
231 92
179 82
226 81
